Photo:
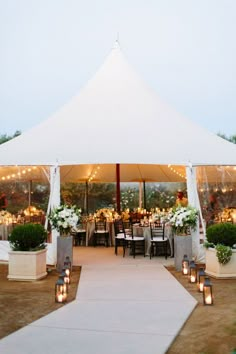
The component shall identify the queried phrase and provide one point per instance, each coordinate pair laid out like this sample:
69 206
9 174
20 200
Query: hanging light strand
19 174
93 174
176 172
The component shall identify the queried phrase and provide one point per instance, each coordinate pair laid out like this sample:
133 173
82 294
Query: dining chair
119 228
136 244
159 243
101 233
79 234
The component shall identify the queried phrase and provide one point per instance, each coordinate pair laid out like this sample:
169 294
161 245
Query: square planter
27 266
217 270
64 248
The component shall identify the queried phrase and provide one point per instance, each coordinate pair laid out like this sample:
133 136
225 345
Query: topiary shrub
223 233
28 237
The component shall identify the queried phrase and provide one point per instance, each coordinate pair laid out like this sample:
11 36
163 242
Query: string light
93 173
176 172
18 174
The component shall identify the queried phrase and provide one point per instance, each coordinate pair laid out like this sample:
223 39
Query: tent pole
86 197
30 191
118 187
54 201
144 196
140 204
193 200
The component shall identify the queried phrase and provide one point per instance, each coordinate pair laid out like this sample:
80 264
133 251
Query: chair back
122 227
81 226
100 225
129 229
157 230
119 227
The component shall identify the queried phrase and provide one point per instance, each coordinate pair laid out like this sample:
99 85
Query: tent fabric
117 118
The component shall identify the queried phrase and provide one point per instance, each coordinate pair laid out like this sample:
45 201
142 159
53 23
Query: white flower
64 217
183 218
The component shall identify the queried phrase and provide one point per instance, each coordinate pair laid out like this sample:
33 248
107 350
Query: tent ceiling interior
106 173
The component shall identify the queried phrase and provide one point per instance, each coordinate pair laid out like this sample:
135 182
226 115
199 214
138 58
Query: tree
231 138
4 137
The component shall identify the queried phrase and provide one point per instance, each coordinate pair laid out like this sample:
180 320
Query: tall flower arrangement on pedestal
64 217
183 219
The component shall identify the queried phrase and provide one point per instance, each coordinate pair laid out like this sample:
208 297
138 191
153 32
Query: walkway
123 306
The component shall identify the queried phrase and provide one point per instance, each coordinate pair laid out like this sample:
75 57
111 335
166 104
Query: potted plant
27 259
182 221
221 250
63 219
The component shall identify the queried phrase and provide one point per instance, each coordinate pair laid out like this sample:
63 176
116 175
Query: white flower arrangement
184 218
64 218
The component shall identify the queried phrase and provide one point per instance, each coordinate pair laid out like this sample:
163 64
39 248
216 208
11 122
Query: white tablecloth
5 230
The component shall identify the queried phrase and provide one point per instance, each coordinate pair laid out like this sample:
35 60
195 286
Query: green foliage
222 233
209 244
231 138
4 137
223 253
28 237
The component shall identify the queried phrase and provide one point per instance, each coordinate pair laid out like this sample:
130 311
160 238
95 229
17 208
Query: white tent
115 119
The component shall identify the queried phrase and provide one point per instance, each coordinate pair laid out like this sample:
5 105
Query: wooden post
144 196
86 197
118 187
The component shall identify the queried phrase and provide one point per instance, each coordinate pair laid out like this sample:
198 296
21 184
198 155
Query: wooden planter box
27 266
217 270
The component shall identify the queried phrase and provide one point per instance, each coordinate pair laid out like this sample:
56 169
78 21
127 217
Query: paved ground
123 306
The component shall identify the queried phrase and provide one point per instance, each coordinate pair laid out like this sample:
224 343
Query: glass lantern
207 292
66 276
185 265
67 270
192 272
67 262
201 279
61 290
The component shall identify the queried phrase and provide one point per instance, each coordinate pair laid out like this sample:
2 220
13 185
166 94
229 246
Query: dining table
5 230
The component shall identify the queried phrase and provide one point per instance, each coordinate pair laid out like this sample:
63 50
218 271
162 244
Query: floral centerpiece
6 217
105 214
64 217
183 219
125 215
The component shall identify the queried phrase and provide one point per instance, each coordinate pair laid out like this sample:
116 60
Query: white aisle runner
130 306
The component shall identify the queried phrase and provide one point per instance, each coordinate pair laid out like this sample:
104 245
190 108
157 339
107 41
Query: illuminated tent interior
218 176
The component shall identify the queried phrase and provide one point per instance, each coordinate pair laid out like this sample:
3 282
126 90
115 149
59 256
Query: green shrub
28 237
223 253
222 233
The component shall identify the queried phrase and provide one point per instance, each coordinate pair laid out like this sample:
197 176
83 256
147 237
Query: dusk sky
184 49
